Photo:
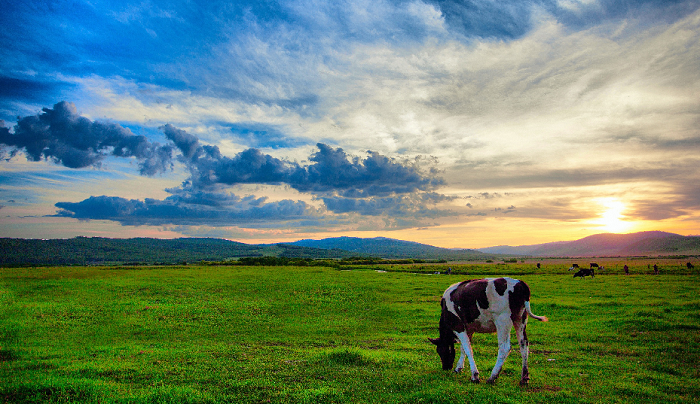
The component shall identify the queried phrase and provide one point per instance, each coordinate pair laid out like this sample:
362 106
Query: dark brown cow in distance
484 306
583 272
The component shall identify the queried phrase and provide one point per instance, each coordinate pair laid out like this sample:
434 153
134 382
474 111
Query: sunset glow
612 218
455 125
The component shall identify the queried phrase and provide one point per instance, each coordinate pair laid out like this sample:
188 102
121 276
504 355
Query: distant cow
594 265
585 272
573 266
689 265
484 306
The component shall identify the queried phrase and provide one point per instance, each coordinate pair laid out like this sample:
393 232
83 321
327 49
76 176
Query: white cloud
547 104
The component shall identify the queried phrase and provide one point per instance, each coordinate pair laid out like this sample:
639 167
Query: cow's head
446 350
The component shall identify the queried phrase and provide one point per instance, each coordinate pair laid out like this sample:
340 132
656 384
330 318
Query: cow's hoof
458 370
491 381
524 382
476 380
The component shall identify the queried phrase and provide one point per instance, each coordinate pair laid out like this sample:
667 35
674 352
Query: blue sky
453 123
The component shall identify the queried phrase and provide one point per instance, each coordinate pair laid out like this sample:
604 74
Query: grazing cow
484 306
689 265
573 266
594 265
585 272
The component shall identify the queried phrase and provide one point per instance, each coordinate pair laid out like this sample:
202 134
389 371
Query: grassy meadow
204 334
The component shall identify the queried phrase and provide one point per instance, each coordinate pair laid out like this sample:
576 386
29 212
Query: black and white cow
484 306
573 267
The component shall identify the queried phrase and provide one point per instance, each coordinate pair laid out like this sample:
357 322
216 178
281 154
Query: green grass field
319 335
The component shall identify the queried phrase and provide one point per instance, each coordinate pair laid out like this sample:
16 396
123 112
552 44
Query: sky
459 124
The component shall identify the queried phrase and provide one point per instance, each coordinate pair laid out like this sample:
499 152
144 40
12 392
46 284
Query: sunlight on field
218 334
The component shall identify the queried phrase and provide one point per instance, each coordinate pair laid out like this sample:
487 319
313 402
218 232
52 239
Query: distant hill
107 251
104 251
650 243
393 249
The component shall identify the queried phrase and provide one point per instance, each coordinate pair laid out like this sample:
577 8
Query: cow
585 272
573 266
484 306
594 265
689 265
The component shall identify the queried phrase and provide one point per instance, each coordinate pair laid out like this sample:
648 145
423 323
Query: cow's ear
435 341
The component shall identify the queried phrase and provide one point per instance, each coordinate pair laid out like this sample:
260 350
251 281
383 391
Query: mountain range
392 249
648 243
106 251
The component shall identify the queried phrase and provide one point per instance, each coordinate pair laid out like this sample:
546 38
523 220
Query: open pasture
560 266
319 335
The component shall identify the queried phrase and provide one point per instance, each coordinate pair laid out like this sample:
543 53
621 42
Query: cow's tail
529 313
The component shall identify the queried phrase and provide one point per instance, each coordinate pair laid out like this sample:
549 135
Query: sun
612 218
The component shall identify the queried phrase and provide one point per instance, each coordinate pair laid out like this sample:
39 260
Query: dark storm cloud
331 170
373 185
63 136
188 144
209 168
377 186
173 210
66 138
376 175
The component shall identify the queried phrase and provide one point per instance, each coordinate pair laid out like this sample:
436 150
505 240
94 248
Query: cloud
415 205
584 14
27 89
487 19
507 210
63 136
257 134
330 171
376 175
538 96
374 185
181 211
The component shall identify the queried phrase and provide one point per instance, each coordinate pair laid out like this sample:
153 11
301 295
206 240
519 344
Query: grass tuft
347 357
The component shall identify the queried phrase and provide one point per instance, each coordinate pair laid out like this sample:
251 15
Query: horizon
395 239
509 123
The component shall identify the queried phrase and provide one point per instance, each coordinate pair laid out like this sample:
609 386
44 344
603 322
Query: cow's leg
503 326
466 350
524 349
